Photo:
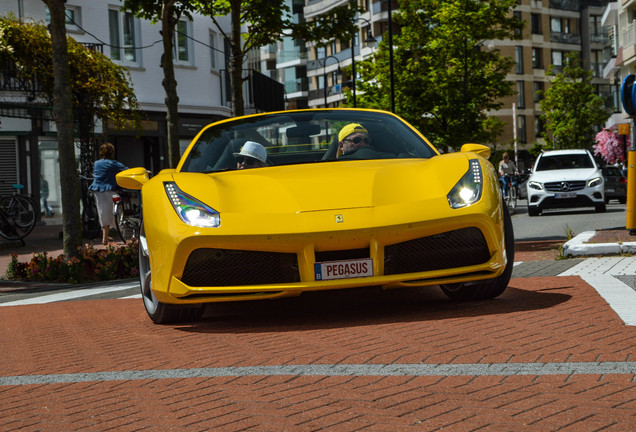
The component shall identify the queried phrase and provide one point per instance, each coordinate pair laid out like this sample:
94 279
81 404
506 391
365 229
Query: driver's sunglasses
248 161
358 139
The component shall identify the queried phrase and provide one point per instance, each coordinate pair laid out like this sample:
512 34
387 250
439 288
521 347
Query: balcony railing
572 5
569 38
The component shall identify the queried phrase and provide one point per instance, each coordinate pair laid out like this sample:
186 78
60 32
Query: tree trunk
63 113
169 83
236 61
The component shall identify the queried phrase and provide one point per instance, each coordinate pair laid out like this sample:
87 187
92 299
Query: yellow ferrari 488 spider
272 205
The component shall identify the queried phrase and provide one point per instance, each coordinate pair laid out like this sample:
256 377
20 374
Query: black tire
622 200
533 211
161 313
491 288
600 208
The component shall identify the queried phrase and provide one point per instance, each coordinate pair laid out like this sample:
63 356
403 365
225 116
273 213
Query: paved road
558 223
554 352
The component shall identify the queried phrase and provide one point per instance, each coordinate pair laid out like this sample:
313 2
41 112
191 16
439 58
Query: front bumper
466 248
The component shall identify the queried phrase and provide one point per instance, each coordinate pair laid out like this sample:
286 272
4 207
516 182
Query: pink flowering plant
611 146
90 265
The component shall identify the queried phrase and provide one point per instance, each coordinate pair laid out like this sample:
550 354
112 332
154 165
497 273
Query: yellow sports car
271 205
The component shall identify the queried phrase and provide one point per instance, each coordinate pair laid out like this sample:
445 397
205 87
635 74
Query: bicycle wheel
21 211
19 221
91 227
512 203
124 224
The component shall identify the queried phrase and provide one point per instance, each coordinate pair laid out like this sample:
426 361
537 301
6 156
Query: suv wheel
533 211
600 208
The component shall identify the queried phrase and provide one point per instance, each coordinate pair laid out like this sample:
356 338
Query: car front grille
226 267
565 186
459 248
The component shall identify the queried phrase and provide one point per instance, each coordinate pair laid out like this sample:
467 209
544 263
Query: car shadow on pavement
362 307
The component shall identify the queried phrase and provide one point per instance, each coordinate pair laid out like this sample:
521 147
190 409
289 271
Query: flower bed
90 265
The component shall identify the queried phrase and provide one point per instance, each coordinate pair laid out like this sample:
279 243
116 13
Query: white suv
565 178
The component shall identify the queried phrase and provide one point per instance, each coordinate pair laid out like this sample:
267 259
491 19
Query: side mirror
133 178
479 149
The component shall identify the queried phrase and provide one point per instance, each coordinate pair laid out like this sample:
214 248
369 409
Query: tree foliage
268 21
446 78
80 84
571 109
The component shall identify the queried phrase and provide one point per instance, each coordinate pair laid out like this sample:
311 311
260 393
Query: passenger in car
252 155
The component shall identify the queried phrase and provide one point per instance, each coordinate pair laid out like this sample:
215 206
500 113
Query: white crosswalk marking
71 295
599 274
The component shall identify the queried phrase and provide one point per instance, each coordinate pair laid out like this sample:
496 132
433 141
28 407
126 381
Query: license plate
610 190
562 195
343 269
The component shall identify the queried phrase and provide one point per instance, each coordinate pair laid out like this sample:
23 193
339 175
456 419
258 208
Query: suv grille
565 186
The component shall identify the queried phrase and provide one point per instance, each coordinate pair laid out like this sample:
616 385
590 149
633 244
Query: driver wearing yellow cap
351 138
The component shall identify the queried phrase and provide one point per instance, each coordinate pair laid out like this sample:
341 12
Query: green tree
446 78
167 13
268 21
63 73
571 110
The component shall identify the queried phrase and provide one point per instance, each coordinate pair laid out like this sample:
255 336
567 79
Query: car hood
327 185
564 175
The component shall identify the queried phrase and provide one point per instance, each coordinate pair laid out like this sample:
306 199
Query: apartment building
554 28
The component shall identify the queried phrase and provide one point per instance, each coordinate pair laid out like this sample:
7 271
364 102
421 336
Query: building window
538 87
519 59
213 50
517 16
123 36
535 23
73 18
537 58
557 58
521 129
182 38
521 97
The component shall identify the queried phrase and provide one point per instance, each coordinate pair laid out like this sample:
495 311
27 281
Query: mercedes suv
565 178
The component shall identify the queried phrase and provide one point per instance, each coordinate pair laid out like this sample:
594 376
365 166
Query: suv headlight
468 190
190 210
535 185
594 182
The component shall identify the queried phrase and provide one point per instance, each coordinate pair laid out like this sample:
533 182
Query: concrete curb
578 246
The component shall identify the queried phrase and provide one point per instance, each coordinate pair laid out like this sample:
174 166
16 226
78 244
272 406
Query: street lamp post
369 39
324 67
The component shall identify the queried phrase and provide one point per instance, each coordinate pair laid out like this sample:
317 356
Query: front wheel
161 313
491 288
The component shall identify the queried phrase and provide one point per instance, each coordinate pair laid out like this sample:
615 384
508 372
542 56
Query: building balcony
629 43
572 5
568 38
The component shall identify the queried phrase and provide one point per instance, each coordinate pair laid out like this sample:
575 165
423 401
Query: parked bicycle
90 219
17 214
127 210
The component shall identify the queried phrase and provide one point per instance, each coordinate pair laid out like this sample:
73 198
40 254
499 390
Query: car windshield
565 161
295 137
612 171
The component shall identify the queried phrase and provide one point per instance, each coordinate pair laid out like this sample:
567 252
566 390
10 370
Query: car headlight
468 190
190 210
535 185
594 182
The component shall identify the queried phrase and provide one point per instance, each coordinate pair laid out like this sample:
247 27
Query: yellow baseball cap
351 128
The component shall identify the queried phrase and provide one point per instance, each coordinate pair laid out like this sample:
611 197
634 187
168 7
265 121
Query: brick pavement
545 320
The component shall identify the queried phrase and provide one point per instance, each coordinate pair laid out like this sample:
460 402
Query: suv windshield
564 161
295 137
